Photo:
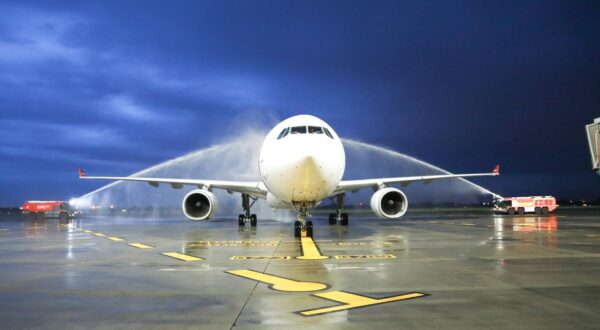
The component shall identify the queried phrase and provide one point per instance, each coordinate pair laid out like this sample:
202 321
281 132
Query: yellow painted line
99 234
181 256
310 250
366 256
87 231
141 246
116 239
363 243
468 224
238 258
351 300
279 283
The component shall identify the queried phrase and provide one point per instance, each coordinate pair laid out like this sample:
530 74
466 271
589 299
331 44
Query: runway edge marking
181 256
141 245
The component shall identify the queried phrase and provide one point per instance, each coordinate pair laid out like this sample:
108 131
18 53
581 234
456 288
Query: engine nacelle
199 204
389 203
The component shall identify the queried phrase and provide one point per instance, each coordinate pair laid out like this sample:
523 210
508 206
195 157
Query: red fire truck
48 209
520 205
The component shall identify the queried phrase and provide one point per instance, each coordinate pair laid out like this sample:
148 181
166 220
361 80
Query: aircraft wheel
521 211
544 210
511 211
241 220
253 220
297 229
344 221
538 210
309 229
332 219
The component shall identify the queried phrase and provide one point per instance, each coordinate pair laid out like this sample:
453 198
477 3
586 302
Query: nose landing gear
339 215
247 217
301 225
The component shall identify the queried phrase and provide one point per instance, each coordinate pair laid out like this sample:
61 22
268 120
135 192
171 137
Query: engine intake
389 203
199 204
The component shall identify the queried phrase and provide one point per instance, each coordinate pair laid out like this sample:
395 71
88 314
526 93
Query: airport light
593 135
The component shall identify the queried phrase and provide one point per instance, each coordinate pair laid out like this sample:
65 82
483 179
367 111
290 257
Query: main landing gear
301 224
339 215
246 217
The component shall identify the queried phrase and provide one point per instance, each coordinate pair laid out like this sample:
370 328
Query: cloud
33 36
123 106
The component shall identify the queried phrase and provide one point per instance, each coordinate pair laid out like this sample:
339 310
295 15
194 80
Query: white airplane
301 163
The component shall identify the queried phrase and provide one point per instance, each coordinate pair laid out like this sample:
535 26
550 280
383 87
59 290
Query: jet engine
199 204
389 203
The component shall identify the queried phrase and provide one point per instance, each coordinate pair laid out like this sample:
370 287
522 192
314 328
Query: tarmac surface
457 269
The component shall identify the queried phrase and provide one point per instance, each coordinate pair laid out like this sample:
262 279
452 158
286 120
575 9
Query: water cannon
593 134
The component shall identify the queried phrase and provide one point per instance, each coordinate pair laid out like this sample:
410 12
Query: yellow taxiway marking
116 239
232 243
181 256
366 256
309 250
99 234
279 283
260 258
87 231
351 300
363 243
141 246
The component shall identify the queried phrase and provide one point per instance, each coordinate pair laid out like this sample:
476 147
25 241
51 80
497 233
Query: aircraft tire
297 229
309 229
332 219
253 220
241 220
344 221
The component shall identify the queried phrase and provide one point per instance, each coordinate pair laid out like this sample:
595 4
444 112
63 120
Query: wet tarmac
436 268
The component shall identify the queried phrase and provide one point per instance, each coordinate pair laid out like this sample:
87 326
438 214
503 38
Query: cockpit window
283 133
327 132
315 130
298 130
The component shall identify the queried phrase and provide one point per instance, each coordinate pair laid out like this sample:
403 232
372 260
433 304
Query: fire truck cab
48 209
522 205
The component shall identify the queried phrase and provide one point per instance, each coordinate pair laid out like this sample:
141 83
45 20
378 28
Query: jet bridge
593 135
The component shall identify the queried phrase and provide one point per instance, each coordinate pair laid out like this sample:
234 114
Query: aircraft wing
254 188
355 185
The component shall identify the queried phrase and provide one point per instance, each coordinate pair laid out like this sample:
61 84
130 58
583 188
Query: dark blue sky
118 86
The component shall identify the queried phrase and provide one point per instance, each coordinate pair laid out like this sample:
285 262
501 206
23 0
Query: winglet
496 169
81 173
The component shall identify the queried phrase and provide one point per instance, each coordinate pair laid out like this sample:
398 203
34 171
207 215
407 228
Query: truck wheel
538 210
544 210
511 211
64 217
521 211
